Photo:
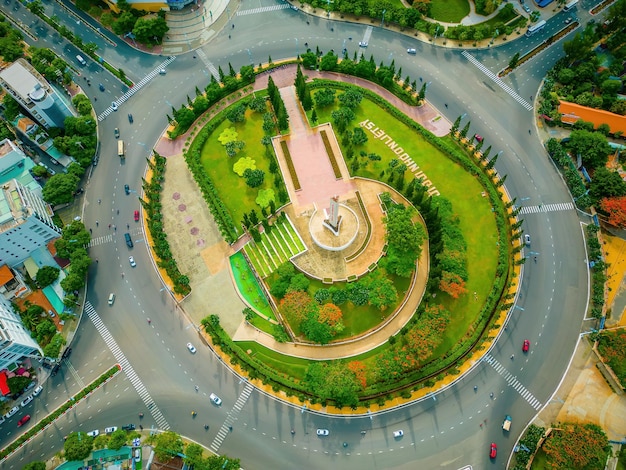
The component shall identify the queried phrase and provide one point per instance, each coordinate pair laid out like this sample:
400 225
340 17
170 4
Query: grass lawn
477 221
292 366
449 11
501 17
248 285
262 324
232 188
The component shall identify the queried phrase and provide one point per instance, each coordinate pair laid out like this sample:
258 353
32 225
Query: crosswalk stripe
254 11
230 419
497 81
513 382
136 87
368 34
561 206
208 63
132 376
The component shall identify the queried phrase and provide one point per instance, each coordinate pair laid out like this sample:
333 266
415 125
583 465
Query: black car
127 189
129 241
55 369
130 118
128 427
67 353
101 86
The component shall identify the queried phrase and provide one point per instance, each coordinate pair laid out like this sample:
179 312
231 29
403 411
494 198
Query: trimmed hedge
290 167
368 224
331 155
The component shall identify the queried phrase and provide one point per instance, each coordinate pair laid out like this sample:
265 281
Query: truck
507 423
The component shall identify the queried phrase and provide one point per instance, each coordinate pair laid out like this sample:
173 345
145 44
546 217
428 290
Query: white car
110 430
26 401
215 399
114 106
192 348
362 44
323 432
11 412
527 240
131 260
411 51
93 433
37 391
398 433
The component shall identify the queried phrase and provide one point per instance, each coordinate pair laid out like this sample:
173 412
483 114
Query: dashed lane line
512 381
232 416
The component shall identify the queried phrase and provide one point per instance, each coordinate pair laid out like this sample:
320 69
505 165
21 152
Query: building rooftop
22 78
572 112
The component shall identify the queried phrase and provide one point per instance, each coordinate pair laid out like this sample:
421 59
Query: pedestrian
446 105
99 201
512 356
90 230
96 223
109 226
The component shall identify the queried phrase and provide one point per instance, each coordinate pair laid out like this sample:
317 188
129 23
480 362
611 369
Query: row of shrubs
292 170
331 155
598 271
573 180
368 225
152 205
43 423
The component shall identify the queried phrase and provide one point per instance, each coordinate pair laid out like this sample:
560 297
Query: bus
570 5
535 28
120 148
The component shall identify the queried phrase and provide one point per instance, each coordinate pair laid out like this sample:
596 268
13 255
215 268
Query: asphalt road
451 429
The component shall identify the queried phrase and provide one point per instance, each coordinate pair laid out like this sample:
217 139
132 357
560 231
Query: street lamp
382 23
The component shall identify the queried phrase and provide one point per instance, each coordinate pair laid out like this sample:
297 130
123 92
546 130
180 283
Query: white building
25 223
35 94
15 340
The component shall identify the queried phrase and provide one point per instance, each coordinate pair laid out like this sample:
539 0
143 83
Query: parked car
128 427
26 401
323 432
93 433
55 370
493 450
11 412
37 391
136 216
23 420
398 433
110 430
526 345
51 314
192 348
527 239
478 137
215 399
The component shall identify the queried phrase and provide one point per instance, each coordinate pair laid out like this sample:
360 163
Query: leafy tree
334 381
118 439
606 183
246 73
265 197
53 348
342 117
514 60
236 113
258 104
452 284
297 306
592 146
254 178
60 189
47 275
124 24
309 60
36 7
329 61
576 445
18 383
78 446
615 207
315 330
11 107
35 466
184 117
351 98
324 97
82 104
167 445
299 282
243 164
382 293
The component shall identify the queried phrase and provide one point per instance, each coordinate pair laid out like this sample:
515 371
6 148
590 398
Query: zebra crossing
136 87
226 426
254 11
126 367
208 63
109 237
368 34
562 206
512 381
497 81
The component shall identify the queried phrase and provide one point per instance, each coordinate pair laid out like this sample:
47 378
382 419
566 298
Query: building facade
35 94
15 340
25 223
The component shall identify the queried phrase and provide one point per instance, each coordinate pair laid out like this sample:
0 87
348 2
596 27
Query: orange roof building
571 112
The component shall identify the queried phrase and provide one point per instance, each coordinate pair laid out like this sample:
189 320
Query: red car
478 137
136 216
526 345
493 450
23 420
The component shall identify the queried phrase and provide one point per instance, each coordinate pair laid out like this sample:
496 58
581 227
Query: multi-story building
25 223
35 94
154 5
15 340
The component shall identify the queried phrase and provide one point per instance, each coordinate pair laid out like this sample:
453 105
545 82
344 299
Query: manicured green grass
248 285
501 17
233 190
293 366
449 11
262 324
477 221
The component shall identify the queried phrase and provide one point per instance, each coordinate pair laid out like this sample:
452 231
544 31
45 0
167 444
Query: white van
80 59
111 298
137 455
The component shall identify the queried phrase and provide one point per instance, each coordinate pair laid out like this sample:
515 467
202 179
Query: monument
333 221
